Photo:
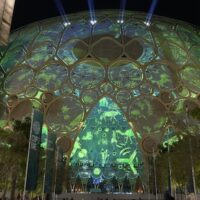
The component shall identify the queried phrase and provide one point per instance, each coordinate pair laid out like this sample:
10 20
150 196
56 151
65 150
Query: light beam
62 12
150 12
92 12
121 12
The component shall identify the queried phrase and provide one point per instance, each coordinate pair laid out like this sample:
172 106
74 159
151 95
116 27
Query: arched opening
106 154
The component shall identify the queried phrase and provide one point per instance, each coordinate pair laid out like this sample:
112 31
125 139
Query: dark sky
27 11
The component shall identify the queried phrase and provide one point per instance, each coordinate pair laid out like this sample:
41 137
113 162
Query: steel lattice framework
151 72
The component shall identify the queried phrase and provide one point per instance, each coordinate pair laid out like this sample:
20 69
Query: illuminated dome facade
146 77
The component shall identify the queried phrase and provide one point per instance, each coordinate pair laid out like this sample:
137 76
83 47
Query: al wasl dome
112 96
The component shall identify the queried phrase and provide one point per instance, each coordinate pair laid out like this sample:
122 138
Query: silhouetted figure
167 196
18 197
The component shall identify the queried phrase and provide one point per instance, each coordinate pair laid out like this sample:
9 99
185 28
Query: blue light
93 22
147 23
120 21
66 24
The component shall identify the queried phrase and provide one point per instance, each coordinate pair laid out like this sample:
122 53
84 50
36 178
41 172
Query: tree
14 147
180 159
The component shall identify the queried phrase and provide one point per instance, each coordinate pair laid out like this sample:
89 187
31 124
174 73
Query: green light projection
106 146
170 138
44 136
65 70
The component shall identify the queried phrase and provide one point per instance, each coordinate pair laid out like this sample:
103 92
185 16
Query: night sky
27 11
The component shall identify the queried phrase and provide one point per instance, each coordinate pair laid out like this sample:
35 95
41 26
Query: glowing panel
161 75
108 28
148 114
87 74
64 114
72 51
18 80
51 77
40 54
193 74
125 74
44 136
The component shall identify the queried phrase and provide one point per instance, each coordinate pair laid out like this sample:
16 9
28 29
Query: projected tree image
106 146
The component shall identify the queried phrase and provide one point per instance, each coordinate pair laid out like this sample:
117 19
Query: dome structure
152 73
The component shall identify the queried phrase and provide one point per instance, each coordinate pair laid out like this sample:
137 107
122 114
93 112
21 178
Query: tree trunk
13 185
5 188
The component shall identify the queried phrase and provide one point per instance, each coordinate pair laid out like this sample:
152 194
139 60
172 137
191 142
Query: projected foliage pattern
152 73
